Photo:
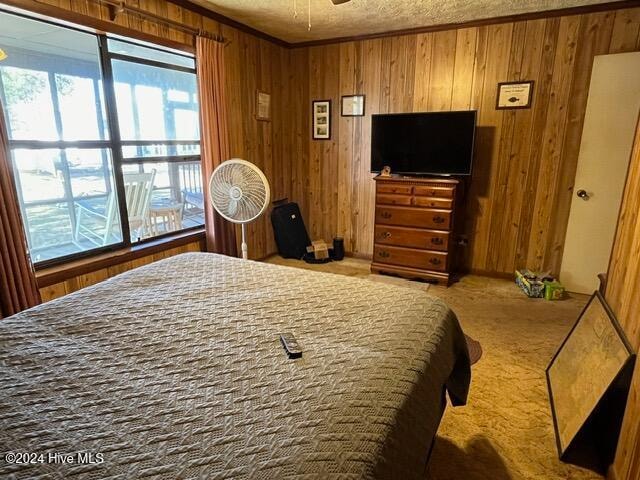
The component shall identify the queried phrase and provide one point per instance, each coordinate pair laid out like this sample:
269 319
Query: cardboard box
553 290
319 248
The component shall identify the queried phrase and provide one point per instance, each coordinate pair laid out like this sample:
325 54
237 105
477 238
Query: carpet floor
505 431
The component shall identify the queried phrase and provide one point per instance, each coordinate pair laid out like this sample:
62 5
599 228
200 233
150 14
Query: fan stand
245 255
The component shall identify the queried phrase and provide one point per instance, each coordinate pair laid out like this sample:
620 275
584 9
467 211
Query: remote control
290 345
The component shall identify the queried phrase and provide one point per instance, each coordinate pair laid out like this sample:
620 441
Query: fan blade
339 2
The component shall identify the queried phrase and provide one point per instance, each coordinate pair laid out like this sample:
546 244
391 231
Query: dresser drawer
390 199
414 217
409 257
433 202
443 192
411 237
395 188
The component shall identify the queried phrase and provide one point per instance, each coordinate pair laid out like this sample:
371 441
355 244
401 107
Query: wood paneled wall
525 161
278 146
80 281
623 295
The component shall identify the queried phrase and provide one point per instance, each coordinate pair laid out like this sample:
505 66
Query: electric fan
239 192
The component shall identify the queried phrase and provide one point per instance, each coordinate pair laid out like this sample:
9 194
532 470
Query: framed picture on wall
352 106
321 119
514 95
263 106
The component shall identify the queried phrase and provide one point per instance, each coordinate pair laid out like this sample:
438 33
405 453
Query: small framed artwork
514 95
321 119
587 378
263 106
352 106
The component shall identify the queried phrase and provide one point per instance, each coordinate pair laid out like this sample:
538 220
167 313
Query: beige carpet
351 267
505 431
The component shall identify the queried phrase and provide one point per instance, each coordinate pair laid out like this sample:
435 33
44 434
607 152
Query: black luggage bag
290 233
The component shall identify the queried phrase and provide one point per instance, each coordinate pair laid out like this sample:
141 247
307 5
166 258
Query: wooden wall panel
81 281
519 199
252 63
623 295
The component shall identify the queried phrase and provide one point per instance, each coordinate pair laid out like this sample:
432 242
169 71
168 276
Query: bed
175 370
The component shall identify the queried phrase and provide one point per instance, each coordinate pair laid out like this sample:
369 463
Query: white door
605 149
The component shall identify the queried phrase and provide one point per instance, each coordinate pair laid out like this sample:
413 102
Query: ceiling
22 33
362 17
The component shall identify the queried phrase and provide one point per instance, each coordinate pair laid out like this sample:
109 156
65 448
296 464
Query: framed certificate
514 95
352 106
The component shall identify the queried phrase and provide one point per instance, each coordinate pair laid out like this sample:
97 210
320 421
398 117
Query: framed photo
514 95
352 106
321 119
585 377
263 106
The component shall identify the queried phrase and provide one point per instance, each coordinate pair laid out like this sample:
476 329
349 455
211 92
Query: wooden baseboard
359 255
482 273
267 257
408 272
489 273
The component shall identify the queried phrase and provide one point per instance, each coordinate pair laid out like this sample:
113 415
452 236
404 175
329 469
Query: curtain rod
116 8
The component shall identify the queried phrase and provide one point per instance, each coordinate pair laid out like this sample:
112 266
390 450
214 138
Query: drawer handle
438 219
385 215
435 261
383 254
437 241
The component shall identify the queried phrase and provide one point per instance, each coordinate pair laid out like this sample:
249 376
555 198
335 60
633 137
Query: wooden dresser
414 227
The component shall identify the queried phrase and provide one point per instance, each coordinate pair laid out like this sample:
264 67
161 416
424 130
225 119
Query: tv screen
434 143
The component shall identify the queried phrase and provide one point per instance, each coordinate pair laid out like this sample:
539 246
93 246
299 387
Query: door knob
583 194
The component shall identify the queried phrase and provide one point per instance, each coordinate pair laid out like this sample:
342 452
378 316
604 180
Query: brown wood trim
60 273
266 257
218 17
560 12
409 272
359 255
91 24
101 26
490 274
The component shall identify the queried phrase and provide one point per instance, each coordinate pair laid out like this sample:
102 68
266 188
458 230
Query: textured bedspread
175 370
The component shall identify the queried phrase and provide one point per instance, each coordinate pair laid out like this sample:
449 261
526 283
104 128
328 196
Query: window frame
114 143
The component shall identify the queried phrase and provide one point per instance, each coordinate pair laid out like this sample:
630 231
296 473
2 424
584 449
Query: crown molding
561 12
205 12
520 17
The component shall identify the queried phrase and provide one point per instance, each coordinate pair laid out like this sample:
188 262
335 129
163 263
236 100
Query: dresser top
417 180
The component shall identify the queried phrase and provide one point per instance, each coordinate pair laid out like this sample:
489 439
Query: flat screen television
426 143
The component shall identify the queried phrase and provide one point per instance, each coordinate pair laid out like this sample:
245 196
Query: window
104 138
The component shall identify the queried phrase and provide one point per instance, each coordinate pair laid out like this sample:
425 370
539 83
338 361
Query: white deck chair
138 188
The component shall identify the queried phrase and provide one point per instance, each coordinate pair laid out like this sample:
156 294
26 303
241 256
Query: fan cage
239 191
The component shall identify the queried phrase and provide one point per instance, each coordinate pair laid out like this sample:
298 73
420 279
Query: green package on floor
553 290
